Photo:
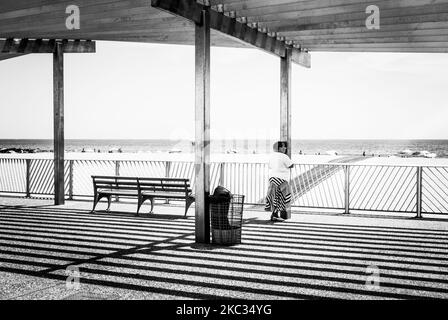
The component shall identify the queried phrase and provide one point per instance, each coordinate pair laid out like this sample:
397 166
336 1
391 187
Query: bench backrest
115 182
171 185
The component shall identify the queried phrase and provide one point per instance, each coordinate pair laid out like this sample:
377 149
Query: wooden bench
141 188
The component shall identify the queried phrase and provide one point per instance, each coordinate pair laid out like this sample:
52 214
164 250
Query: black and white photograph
256 152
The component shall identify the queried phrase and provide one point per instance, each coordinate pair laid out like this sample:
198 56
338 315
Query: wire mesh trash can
226 217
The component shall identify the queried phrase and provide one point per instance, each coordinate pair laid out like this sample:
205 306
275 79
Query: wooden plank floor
121 256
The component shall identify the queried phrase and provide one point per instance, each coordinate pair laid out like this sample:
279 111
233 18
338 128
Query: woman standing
278 199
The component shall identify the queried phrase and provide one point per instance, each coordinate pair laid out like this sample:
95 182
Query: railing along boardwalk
347 186
120 256
306 177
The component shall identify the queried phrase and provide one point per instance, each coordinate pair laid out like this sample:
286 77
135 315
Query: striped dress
279 195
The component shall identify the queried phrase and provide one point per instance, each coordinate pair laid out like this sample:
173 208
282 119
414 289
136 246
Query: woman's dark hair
280 144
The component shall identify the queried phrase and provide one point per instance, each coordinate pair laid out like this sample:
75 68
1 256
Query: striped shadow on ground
154 257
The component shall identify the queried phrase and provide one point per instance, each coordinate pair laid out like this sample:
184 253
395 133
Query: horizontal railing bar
373 210
12 192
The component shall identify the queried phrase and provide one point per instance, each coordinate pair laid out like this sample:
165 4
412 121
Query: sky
146 91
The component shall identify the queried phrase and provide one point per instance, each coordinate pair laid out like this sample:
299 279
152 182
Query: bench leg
109 200
188 203
139 204
96 198
141 201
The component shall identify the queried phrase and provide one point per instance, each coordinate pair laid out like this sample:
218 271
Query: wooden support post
58 113
285 99
202 127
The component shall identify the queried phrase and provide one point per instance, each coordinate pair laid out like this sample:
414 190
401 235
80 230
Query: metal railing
386 188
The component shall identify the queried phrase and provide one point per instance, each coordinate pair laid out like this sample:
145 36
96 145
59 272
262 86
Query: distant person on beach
278 198
363 153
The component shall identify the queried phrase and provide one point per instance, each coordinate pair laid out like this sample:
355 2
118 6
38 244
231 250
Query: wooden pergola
288 29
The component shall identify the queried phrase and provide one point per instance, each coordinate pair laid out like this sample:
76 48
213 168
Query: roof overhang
305 25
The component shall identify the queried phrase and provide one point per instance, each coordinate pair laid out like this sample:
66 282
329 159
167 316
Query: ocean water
252 146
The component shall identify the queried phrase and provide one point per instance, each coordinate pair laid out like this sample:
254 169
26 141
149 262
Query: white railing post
167 175
70 180
347 189
117 167
117 173
419 191
28 178
221 174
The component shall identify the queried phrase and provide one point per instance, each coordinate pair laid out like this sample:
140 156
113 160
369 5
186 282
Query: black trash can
226 211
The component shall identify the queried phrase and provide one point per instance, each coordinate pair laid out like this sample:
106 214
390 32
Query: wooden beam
227 25
202 126
231 27
25 46
189 9
184 8
58 116
301 58
9 56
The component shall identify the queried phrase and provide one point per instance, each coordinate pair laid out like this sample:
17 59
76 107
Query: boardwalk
154 256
